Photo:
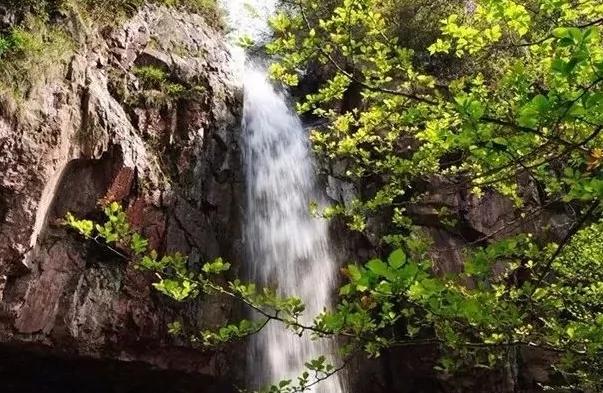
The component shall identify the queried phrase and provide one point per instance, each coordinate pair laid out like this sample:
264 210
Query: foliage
39 42
176 279
530 106
384 292
29 52
151 77
110 11
156 88
209 9
181 282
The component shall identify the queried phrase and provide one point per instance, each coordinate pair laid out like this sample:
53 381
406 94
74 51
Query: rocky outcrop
86 131
468 221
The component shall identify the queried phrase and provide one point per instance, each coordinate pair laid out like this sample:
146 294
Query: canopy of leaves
525 102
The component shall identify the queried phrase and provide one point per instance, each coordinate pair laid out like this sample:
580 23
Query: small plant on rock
157 89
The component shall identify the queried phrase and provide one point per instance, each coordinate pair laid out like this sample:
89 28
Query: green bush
150 76
157 89
39 39
209 9
107 12
20 41
28 51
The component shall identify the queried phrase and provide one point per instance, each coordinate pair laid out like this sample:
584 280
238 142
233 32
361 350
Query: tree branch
573 230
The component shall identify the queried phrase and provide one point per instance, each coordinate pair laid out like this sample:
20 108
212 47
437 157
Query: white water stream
287 247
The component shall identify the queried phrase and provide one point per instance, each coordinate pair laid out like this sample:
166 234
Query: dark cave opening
35 370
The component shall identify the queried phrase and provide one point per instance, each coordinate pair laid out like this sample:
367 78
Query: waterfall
287 247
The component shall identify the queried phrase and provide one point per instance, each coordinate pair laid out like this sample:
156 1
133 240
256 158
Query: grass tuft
158 91
29 53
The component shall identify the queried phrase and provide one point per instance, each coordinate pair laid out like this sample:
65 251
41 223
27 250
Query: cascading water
287 247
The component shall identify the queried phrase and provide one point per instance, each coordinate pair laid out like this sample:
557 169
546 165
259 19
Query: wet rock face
84 134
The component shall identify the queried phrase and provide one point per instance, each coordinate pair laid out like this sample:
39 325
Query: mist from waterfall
287 248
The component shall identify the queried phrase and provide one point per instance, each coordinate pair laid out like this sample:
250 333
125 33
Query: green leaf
345 290
571 331
245 41
528 117
559 65
565 42
409 272
594 100
139 244
541 103
591 33
470 308
284 383
355 273
397 259
114 208
571 64
500 141
174 327
416 291
576 33
561 32
539 293
378 267
476 110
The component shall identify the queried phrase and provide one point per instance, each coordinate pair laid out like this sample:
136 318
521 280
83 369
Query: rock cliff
94 127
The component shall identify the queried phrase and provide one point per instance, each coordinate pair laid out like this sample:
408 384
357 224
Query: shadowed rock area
34 370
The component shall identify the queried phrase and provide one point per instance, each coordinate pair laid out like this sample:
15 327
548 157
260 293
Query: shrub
150 76
209 9
157 90
28 51
39 41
